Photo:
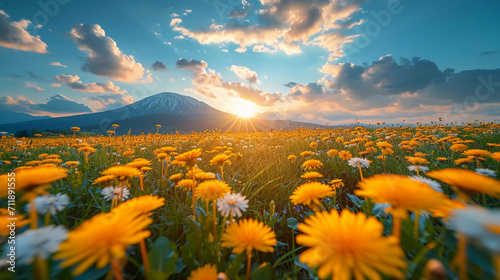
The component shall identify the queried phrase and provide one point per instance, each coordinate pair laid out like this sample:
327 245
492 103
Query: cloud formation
159 66
244 73
74 83
104 58
209 83
283 25
110 101
13 35
55 63
55 105
33 85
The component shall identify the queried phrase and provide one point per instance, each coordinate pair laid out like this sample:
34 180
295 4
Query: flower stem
396 227
41 270
496 263
33 215
249 265
193 193
214 215
116 268
416 225
145 259
47 218
360 173
462 256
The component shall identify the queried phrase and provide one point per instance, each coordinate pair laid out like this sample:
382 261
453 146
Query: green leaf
235 266
162 259
293 223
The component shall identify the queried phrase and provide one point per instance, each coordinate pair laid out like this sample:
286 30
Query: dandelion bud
434 270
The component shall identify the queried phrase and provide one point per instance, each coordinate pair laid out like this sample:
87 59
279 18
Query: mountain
14 117
174 112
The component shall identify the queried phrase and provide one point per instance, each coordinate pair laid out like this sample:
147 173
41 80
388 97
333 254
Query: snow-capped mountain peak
170 103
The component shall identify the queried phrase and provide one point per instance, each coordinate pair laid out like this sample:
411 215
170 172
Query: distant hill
174 112
7 116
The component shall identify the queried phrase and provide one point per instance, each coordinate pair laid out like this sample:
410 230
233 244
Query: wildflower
463 160
476 153
487 172
142 205
332 153
467 181
122 172
311 175
312 164
220 160
433 184
41 243
442 159
495 156
348 245
307 153
248 235
106 179
417 160
309 194
359 162
292 157
189 158
102 239
419 168
337 183
232 204
458 147
115 193
313 144
186 184
212 190
176 177
345 155
207 272
51 203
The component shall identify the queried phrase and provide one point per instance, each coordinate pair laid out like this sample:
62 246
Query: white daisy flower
356 161
41 242
111 193
51 203
474 222
487 172
433 184
420 168
232 204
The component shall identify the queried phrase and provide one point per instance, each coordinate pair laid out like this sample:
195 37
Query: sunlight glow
245 109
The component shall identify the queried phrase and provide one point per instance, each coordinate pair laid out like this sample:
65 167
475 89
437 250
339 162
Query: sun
245 109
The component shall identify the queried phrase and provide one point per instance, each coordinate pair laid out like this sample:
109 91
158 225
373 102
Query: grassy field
108 206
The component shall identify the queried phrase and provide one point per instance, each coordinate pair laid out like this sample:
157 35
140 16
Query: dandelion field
348 203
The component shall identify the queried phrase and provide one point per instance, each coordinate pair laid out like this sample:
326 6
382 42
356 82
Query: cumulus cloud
244 73
159 66
104 58
209 83
333 42
55 105
62 104
74 83
283 25
412 89
55 63
109 102
33 86
13 35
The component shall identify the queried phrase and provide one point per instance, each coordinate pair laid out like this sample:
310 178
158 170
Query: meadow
349 203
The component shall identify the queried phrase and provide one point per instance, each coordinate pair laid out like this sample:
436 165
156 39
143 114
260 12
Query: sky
321 61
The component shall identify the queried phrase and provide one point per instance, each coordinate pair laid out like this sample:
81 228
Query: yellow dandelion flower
337 183
176 177
332 153
247 235
307 153
309 194
220 160
345 155
29 179
417 160
312 175
5 219
122 172
212 190
189 157
442 159
139 163
292 157
476 153
467 181
458 147
142 205
104 179
186 184
101 239
349 245
207 272
402 193
312 164
495 156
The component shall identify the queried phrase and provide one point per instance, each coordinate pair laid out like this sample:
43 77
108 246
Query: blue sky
318 61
